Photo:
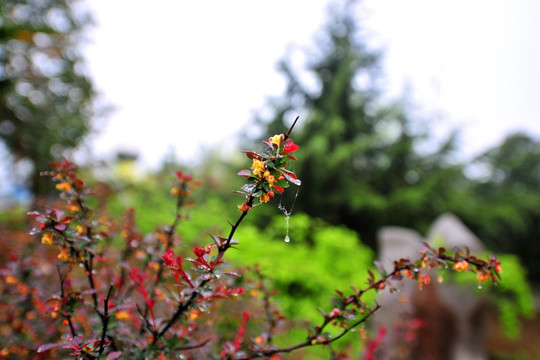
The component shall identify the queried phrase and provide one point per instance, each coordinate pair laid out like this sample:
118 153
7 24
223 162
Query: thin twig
105 321
309 341
291 128
62 294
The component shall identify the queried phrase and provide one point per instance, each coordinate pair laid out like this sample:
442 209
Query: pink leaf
245 173
113 355
46 347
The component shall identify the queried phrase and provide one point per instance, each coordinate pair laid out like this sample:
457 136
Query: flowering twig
348 307
269 174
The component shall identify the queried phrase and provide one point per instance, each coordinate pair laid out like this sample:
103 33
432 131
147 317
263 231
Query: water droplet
287 239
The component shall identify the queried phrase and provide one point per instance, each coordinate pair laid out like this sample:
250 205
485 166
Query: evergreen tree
45 97
359 162
505 206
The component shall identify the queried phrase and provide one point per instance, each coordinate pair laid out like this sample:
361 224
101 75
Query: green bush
318 260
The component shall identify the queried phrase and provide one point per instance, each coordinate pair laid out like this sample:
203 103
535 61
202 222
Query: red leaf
288 172
183 177
252 155
290 147
65 163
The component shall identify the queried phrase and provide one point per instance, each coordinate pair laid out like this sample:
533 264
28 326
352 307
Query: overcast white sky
188 74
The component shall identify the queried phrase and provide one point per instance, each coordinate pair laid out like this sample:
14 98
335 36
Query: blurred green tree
376 174
505 211
45 97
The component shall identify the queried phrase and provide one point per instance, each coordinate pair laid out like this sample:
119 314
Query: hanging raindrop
287 215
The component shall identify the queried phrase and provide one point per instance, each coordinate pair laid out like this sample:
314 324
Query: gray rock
453 232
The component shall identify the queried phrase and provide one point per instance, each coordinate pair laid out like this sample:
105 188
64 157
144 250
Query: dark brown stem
195 346
105 320
310 340
227 244
353 299
182 307
147 322
62 294
87 263
291 128
170 236
267 309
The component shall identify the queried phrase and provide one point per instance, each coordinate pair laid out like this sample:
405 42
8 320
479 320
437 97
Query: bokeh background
407 110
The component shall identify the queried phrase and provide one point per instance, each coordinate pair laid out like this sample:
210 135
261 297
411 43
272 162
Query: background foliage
45 97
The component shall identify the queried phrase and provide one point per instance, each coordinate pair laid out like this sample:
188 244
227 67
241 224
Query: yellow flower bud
47 238
80 229
462 265
122 315
194 314
63 186
73 208
63 255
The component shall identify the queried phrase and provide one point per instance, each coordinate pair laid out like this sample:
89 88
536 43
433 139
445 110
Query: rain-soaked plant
119 294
